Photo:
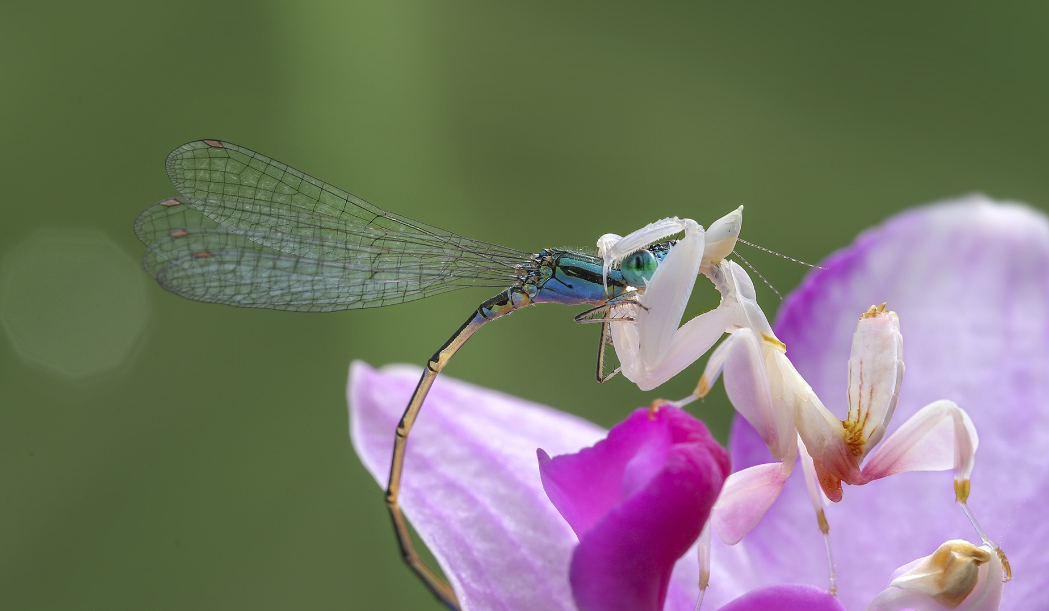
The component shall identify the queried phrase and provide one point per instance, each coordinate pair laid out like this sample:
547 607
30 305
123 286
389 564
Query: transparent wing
215 171
252 232
212 264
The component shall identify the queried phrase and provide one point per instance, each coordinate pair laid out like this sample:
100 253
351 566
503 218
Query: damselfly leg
502 304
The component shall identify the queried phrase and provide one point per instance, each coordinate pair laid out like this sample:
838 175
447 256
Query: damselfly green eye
638 268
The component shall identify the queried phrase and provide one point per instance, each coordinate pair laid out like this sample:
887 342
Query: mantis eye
638 268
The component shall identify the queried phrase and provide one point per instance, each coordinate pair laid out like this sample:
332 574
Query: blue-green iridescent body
567 278
564 277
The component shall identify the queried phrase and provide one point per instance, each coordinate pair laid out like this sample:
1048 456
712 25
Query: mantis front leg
654 348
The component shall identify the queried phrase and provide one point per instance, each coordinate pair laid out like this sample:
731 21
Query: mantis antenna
771 252
755 270
782 256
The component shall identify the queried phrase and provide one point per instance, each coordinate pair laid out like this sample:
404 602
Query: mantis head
721 236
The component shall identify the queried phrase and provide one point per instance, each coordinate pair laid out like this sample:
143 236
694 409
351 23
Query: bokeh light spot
72 301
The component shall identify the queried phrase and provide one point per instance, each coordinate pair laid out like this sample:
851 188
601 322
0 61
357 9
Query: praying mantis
766 389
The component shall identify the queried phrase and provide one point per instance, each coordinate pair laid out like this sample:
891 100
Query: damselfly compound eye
638 268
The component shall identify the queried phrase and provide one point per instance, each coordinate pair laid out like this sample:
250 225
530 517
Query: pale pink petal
471 486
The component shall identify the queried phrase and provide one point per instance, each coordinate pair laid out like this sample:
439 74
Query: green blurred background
157 453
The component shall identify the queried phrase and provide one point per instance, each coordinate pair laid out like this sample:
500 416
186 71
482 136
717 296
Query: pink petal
585 486
785 598
638 500
970 282
471 487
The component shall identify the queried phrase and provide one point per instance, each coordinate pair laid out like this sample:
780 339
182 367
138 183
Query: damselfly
249 231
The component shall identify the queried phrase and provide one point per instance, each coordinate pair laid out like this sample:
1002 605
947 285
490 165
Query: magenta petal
638 500
785 598
970 282
587 485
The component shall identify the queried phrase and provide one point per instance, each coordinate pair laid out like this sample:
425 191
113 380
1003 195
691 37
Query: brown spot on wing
179 233
170 202
203 254
214 143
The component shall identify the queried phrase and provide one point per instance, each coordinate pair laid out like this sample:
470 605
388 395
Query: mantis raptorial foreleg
654 348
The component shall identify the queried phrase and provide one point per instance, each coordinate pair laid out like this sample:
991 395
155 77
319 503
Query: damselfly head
638 268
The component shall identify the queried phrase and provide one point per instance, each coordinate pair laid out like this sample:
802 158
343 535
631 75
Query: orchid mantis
766 389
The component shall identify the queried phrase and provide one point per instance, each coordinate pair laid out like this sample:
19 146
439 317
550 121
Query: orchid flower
970 280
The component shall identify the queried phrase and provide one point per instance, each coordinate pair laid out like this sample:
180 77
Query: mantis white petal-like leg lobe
745 498
613 248
749 388
940 436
